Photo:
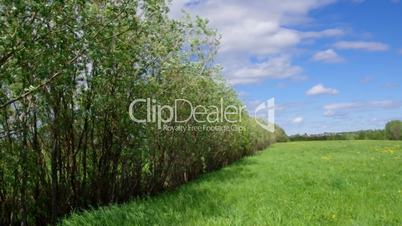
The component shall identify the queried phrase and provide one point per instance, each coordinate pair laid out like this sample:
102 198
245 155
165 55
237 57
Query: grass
299 183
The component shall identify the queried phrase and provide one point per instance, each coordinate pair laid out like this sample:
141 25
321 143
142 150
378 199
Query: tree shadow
201 198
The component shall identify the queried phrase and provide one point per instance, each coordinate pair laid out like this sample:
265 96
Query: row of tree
392 131
69 71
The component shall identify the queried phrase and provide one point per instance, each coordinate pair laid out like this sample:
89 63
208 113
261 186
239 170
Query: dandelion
389 150
326 157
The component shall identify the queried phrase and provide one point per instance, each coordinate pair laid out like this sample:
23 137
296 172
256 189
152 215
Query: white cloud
258 37
320 89
276 68
298 120
324 33
338 106
328 56
337 109
256 28
361 45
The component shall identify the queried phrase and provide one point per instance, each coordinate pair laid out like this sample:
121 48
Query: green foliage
393 130
295 183
280 134
69 71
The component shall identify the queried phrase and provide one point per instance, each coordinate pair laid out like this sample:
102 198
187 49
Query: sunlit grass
300 183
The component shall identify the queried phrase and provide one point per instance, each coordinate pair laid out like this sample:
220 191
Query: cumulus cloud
361 45
258 37
276 68
328 56
297 120
320 89
256 28
337 109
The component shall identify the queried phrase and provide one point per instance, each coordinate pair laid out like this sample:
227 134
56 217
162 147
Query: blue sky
331 65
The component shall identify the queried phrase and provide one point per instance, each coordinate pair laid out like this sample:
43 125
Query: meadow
294 183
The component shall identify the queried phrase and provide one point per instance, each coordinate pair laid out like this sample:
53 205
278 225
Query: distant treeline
69 71
358 135
392 131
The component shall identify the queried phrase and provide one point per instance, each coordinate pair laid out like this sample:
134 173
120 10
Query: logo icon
264 115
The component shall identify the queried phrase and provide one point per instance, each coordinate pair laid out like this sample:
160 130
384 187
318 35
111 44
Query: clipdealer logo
264 114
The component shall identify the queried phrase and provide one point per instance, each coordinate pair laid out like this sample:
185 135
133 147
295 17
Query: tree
393 130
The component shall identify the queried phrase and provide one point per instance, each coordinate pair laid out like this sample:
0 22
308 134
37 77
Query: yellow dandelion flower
326 157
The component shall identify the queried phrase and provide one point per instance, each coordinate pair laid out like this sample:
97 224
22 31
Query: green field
299 183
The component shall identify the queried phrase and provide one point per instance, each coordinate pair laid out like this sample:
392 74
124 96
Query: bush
280 135
69 73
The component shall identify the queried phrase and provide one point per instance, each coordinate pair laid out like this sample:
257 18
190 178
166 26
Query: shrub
69 70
